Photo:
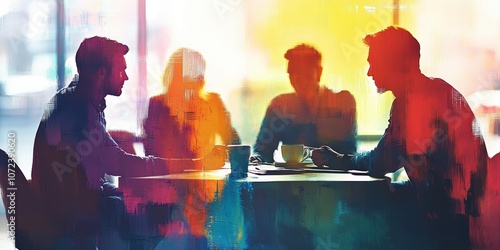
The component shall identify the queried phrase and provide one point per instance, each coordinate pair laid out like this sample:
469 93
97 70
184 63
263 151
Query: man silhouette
73 151
313 115
432 133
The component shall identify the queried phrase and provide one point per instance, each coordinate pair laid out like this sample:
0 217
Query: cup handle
306 154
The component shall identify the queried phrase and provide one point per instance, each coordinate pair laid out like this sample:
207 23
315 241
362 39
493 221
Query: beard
381 90
382 86
115 88
115 91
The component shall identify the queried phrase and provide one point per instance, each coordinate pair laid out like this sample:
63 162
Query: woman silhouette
185 121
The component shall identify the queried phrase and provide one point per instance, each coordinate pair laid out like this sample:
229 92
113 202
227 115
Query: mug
295 153
239 156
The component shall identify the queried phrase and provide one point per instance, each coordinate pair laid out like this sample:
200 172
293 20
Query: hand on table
215 159
255 159
325 156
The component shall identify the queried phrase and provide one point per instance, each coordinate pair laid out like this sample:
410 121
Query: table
289 211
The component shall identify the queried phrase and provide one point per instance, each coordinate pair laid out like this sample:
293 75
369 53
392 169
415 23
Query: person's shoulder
439 83
157 101
282 100
442 87
344 96
157 104
284 97
495 162
446 95
214 100
157 98
67 91
341 93
66 101
64 96
213 97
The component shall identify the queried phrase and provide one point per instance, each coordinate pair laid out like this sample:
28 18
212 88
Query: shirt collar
100 106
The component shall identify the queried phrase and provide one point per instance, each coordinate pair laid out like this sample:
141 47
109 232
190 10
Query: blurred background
243 43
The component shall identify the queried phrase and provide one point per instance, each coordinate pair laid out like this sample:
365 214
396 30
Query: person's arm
388 156
350 117
336 121
149 124
225 129
109 158
269 136
123 164
103 155
346 125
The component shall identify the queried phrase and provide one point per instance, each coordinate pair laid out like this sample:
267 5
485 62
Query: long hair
185 70
184 82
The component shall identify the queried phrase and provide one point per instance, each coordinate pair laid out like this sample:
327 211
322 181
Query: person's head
102 61
304 68
393 56
185 70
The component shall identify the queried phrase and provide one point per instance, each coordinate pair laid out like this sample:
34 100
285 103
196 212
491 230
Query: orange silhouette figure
185 122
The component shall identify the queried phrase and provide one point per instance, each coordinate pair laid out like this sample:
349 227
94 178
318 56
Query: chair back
29 222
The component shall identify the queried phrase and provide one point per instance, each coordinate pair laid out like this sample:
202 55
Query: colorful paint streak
243 43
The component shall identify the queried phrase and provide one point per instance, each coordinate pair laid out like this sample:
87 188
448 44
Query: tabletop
294 175
263 210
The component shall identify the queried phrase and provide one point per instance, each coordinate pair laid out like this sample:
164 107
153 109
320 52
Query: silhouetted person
73 151
313 115
186 120
485 228
432 133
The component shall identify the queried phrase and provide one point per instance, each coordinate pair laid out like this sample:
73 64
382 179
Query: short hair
96 52
305 53
396 44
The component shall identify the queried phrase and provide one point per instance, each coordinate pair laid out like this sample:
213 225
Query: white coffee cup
295 153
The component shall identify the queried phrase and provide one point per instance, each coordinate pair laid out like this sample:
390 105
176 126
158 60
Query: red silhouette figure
432 133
